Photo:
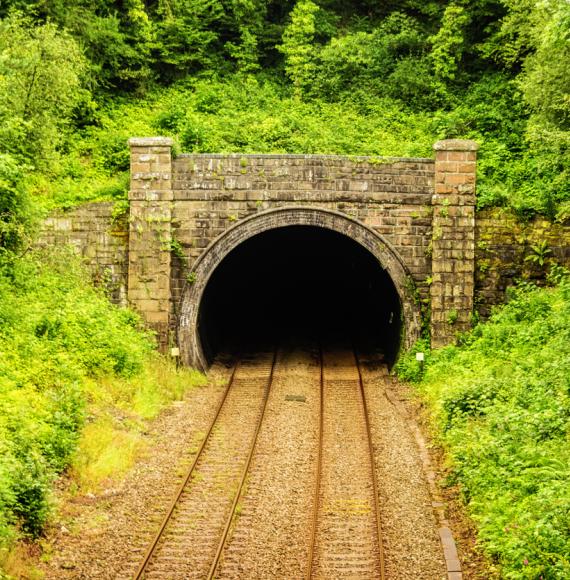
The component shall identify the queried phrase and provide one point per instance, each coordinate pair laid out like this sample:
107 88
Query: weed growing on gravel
501 406
120 408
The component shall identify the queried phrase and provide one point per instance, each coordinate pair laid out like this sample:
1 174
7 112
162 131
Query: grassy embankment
500 407
79 380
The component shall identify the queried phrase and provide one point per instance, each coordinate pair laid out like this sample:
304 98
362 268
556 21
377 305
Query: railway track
346 534
191 536
343 538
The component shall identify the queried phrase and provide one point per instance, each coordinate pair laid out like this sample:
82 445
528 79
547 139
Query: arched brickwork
381 249
416 215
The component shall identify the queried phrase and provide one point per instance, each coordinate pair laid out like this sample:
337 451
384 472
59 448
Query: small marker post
420 357
175 354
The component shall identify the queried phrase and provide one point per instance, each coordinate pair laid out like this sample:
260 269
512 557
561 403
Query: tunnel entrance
298 283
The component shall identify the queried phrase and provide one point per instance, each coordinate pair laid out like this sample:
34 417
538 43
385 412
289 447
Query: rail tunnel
299 283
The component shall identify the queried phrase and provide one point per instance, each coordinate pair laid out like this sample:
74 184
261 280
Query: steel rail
152 547
373 469
238 495
318 470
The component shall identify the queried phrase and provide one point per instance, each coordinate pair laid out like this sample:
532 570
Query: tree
545 82
546 72
41 83
449 43
185 36
297 45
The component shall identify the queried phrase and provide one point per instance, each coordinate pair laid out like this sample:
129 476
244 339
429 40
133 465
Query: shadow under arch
189 340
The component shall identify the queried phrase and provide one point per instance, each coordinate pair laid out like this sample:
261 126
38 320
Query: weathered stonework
212 193
99 237
504 245
204 267
453 240
150 239
196 200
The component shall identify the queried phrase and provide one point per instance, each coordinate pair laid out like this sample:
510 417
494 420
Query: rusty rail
189 474
221 545
319 468
373 466
315 515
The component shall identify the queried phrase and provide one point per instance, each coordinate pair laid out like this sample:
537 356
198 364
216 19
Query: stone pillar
453 240
150 199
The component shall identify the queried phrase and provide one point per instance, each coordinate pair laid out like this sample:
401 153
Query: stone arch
388 258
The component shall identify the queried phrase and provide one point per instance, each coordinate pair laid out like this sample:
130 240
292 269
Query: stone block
459 178
156 317
456 145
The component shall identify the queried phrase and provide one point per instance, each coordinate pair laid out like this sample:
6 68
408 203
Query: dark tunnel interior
299 283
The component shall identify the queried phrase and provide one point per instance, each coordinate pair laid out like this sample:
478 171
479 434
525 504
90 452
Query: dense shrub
389 61
56 332
501 404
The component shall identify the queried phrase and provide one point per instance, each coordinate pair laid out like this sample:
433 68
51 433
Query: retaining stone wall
99 239
503 243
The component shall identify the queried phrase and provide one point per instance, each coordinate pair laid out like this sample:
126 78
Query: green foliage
501 403
41 72
408 368
534 36
493 71
13 205
56 333
539 253
298 45
186 34
448 44
387 62
256 116
546 80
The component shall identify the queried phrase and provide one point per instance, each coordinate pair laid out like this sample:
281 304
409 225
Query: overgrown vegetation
323 77
501 409
77 79
75 372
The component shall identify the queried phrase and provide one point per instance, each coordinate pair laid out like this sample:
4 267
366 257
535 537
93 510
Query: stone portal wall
99 238
184 204
501 242
423 210
211 193
503 245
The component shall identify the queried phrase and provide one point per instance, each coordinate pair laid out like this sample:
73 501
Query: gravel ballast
105 536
